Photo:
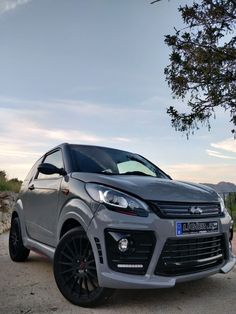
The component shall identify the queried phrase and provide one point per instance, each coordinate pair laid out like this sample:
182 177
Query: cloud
213 173
65 118
26 132
78 106
122 139
214 153
227 145
28 128
7 5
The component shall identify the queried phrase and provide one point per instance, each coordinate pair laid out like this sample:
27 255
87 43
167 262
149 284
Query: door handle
31 187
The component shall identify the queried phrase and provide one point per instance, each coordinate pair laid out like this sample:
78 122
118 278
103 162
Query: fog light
123 245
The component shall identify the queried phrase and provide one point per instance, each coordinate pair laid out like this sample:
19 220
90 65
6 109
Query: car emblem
195 210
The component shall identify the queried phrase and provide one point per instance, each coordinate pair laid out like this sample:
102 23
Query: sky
91 72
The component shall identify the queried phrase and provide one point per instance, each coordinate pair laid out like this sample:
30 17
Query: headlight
117 201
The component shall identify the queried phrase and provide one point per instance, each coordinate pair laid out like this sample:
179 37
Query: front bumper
163 229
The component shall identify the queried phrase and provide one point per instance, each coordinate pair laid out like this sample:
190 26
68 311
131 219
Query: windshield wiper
136 173
106 173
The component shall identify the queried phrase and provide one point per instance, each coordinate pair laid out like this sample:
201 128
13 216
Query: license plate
196 227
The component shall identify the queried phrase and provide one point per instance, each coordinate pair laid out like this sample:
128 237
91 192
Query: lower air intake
189 255
134 260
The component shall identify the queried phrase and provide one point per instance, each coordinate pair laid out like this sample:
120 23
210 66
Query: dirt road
29 288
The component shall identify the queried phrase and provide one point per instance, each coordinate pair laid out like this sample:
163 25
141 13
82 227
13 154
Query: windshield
111 161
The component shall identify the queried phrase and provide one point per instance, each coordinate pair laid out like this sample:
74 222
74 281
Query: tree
202 67
3 175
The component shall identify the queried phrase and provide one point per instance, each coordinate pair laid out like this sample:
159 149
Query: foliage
202 67
9 185
3 175
230 201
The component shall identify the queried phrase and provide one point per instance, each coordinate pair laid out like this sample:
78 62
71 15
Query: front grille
189 255
186 210
137 258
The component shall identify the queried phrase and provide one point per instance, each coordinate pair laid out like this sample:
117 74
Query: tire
17 251
75 270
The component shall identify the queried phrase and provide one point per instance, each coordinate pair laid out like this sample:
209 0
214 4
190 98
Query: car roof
82 145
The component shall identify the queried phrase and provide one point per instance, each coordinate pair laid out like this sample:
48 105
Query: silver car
112 219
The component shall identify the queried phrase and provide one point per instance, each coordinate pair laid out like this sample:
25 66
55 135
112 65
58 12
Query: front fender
75 209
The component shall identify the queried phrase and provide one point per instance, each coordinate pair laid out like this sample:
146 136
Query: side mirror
48 169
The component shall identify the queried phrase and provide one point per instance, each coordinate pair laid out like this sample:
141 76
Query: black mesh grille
188 255
141 246
186 210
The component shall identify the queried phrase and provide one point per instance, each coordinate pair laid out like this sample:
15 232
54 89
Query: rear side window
55 159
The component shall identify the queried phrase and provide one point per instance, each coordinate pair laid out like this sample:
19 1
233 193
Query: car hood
151 188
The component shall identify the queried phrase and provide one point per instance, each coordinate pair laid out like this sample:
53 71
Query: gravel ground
29 287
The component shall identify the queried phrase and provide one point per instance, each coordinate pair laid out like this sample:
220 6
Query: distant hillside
222 187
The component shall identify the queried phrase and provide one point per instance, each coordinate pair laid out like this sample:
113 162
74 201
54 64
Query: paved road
29 288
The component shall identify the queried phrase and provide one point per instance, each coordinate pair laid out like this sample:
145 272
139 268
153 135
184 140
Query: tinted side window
33 170
55 159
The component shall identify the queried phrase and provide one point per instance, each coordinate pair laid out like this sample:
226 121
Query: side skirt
40 248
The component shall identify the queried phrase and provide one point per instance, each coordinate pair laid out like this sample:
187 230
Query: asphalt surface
29 287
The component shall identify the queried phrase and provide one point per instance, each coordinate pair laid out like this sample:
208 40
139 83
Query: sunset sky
91 72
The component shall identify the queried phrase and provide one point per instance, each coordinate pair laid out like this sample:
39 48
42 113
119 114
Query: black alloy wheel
17 251
75 270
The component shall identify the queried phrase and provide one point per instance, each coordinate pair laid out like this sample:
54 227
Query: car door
42 202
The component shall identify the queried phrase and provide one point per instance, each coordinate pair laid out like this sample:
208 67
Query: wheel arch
75 213
68 221
19 212
69 224
14 215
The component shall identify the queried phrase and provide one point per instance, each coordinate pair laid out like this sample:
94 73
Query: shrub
9 185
